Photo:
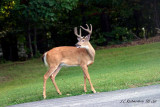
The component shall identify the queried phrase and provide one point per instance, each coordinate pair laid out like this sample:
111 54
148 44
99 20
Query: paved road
148 96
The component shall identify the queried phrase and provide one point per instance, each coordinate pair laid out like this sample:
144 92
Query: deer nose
77 45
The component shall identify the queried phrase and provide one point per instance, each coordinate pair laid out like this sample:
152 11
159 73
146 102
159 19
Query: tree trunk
9 48
84 20
136 17
29 42
35 40
105 24
156 16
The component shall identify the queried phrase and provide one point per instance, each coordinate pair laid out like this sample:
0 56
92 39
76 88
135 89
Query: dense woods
29 28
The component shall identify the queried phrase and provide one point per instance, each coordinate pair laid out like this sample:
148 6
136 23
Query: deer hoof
44 97
59 93
94 91
85 91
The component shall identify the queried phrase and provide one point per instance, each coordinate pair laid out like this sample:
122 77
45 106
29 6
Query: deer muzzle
77 45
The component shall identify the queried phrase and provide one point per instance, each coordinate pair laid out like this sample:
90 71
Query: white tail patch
45 59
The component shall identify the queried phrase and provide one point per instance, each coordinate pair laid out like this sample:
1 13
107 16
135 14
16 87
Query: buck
82 55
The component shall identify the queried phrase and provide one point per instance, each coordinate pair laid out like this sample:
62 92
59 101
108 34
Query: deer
82 55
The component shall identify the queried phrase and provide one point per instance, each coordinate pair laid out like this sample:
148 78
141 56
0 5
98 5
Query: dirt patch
12 64
3 78
133 43
147 84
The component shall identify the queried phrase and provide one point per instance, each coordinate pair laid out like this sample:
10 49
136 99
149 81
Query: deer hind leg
46 76
53 79
85 70
85 89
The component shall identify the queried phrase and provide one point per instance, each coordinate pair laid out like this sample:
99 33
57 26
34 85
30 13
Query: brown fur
68 55
82 55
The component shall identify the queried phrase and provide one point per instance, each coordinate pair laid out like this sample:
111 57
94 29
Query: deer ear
87 37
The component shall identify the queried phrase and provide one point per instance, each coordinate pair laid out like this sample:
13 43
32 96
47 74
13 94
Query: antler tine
75 32
88 30
84 28
87 26
91 27
80 32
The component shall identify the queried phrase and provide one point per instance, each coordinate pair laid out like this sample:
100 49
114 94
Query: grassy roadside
116 68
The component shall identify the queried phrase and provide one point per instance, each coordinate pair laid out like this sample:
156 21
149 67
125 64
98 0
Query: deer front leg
85 70
46 76
53 80
85 89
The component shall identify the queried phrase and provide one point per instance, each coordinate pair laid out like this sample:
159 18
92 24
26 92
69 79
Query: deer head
83 42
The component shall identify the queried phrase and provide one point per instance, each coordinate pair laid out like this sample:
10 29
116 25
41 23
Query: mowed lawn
113 69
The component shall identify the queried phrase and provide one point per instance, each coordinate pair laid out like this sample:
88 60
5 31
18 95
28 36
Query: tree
34 14
43 24
7 25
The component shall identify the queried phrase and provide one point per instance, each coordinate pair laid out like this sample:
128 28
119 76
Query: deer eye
82 40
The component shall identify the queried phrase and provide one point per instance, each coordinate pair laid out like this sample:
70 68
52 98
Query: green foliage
46 10
98 38
5 7
37 55
2 60
119 35
21 38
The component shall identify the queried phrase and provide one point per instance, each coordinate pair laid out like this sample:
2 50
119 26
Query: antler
75 32
88 30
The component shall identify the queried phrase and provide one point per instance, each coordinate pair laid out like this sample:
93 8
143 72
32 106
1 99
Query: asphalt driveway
148 96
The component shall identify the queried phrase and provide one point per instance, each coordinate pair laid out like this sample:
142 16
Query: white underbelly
66 65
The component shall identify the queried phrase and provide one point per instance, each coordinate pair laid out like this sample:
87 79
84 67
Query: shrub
119 35
98 38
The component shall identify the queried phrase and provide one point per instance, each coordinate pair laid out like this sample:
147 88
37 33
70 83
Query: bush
37 55
2 60
98 38
119 35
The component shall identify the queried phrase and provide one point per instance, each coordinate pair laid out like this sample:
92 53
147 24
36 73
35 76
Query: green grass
117 68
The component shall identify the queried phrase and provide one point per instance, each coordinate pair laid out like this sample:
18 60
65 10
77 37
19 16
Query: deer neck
91 51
